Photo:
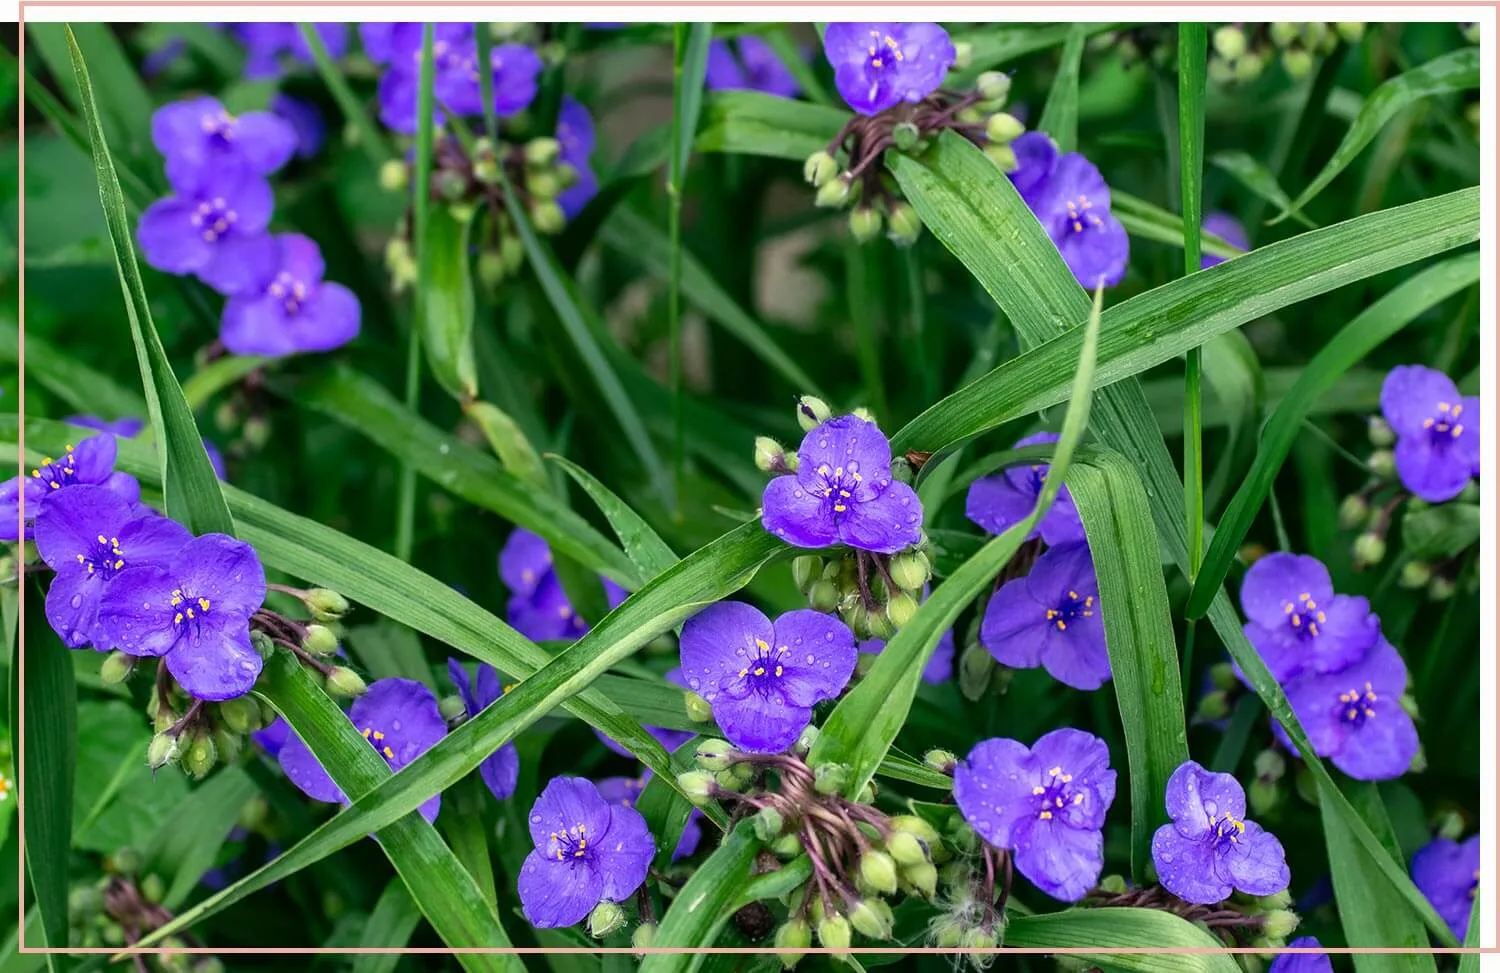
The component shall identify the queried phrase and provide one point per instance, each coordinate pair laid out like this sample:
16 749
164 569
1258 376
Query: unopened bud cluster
1238 53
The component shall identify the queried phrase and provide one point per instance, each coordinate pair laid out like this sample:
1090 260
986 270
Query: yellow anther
1039 790
760 670
762 645
189 613
389 753
366 735
203 603
1045 815
839 508
176 619
778 670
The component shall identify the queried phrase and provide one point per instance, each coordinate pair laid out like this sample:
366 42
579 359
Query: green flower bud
643 936
922 877
1313 33
453 710
320 640
834 193
1003 156
947 933
1229 41
963 55
1415 574
1306 787
942 761
830 778
697 708
1441 588
879 624
1249 67
1113 884
394 176
714 755
975 669
1369 548
730 780
1221 674
906 136
1003 128
1283 33
1280 924
239 715
865 223
1298 63
819 169
903 225
116 668
490 268
547 216
209 964
1449 824
487 170
153 889
699 786
910 570
1418 761
253 814
85 902
1380 433
901 610
566 175
866 795
112 934
198 756
1471 32
878 869
264 647
512 253
993 85
787 847
795 934
769 456
961 836
1220 71
1213 707
162 751
125 861
768 824
325 605
605 919
805 570
257 432
805 740
976 938
1382 463
905 848
1353 511
1270 765
542 151
1409 704
834 932
1264 796
812 412
345 682
542 184
857 617
451 186
868 922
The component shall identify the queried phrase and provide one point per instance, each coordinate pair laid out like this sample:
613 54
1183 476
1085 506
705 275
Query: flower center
1038 477
839 484
289 290
1358 705
1226 829
885 53
1070 608
214 218
219 126
377 740
572 843
1055 794
104 557
1304 615
58 473
190 610
1078 213
1445 426
764 668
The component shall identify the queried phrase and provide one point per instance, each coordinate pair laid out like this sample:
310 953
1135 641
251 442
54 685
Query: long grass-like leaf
1060 114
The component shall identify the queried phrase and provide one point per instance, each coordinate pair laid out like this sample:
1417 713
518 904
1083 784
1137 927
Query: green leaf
666 811
1138 630
1439 532
484 43
645 548
117 800
190 486
509 443
1123 928
1060 115
704 904
50 729
446 299
792 57
466 834
690 64
391 923
190 835
1254 176
216 376
1469 961
860 730
1232 370
125 106
755 123
1371 912
1192 61
81 387
1353 342
356 118
387 651
1449 73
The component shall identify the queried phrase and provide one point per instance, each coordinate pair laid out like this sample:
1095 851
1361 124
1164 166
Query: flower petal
1278 580
1256 862
625 853
761 724
1436 475
886 524
791 512
567 802
990 786
1015 627
224 570
995 503
168 239
216 662
1195 795
717 642
555 894
1410 394
1062 861
820 656
136 613
302 768
1187 867
240 263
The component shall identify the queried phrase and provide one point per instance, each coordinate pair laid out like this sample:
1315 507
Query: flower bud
699 786
769 456
1353 511
1382 463
542 151
1113 884
486 170
453 710
961 836
1229 41
85 902
906 136
963 55
812 412
1415 574
116 668
345 682
547 217
1313 33
320 640
697 708
819 168
325 605
1449 824
857 617
976 938
1002 128
942 761
867 921
1221 675
451 186
993 85
901 610
198 756
566 175
542 184
830 778
605 919
512 253
253 814
239 715
768 824
125 861
1249 67
834 193
922 877
1283 33
1212 707
805 740
903 225
878 869
1409 704
1280 924
153 889
111 934
834 932
1441 588
794 934
162 751
264 647
394 176
1369 548
1471 31
975 669
1298 63
787 846
905 848
805 570
714 755
878 623
910 570
947 933
1003 156
643 936
823 595
1264 796
865 223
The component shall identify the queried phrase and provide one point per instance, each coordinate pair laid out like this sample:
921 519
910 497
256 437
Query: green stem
674 264
1192 57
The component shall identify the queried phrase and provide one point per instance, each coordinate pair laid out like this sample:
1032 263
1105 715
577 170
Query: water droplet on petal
75 601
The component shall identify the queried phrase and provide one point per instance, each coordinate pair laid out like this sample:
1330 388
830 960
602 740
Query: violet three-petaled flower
1302 962
267 42
1051 618
216 230
500 769
1003 500
194 611
1045 803
575 134
1437 431
748 63
626 792
399 718
88 536
1071 200
539 607
91 462
762 679
295 310
586 851
1354 716
880 65
199 136
939 668
1447 872
669 739
1297 623
1226 228
1209 849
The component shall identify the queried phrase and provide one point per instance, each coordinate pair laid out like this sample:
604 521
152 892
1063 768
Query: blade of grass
391 923
702 907
1060 114
356 117
50 731
794 59
484 42
1192 67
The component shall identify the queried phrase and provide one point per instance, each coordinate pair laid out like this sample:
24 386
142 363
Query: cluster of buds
467 177
860 856
848 173
1238 53
121 908
1241 921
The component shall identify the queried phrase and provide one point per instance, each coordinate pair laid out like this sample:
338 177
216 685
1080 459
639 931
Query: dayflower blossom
194 611
88 536
306 122
843 492
626 792
1447 872
130 426
215 230
400 719
1302 962
939 668
586 851
1296 621
880 65
455 60
669 739
575 133
1437 431
1046 804
1210 850
294 309
748 62
267 42
539 608
1071 200
1003 500
1354 716
501 768
91 462
1051 618
762 679
198 137
1228 229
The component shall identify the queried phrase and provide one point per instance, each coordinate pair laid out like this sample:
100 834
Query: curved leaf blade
1123 929
447 298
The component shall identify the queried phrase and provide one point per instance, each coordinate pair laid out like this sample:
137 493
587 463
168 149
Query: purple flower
1297 622
539 608
273 737
1354 716
575 133
129 427
626 792
669 739
1228 229
215 230
91 462
748 63
1209 850
306 122
1046 804
1437 431
587 851
515 70
198 136
501 768
194 610
401 47
999 502
878 66
1051 618
762 679
1447 872
843 493
939 668
89 535
401 720
265 43
1071 200
294 309
1302 962
377 40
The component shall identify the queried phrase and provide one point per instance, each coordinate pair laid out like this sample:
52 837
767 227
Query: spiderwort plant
91 462
1209 849
748 63
1052 618
1071 200
1002 500
539 607
1447 872
1297 622
626 792
500 769
1437 431
1355 715
295 311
